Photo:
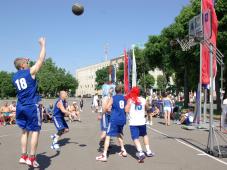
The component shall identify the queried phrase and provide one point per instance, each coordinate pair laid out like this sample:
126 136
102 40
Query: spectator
187 117
5 110
47 116
74 109
42 111
81 103
95 103
155 112
167 108
13 112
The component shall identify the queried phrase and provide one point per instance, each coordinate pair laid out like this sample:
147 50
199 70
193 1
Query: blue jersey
118 115
27 87
57 111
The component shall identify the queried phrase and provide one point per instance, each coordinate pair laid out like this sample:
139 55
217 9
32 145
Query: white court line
190 146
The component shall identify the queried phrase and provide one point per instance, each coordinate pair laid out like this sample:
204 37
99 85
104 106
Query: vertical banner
110 72
113 76
209 5
126 81
134 73
129 69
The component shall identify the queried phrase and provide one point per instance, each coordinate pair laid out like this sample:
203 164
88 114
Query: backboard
200 26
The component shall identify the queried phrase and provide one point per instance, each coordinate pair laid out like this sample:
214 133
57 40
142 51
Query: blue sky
77 41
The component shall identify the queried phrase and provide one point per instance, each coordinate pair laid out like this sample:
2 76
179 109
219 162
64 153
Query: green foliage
7 89
102 76
120 73
53 79
147 81
161 82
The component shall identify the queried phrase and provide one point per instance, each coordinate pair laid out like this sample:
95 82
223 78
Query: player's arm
62 108
35 68
107 107
128 105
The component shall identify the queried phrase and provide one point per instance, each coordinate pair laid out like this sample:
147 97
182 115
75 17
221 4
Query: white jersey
137 113
95 101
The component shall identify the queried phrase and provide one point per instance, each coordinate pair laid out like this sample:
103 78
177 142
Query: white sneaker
32 162
23 159
102 158
150 154
52 137
141 156
55 146
123 153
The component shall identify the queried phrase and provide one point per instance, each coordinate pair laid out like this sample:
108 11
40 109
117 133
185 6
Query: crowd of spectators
8 112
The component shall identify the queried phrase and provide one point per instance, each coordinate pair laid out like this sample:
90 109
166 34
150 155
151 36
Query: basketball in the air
77 9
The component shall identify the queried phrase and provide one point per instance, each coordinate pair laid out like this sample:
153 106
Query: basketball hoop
186 44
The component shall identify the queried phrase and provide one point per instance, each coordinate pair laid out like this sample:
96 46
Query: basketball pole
200 74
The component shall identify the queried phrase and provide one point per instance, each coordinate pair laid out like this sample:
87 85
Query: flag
134 73
126 80
209 5
113 74
129 69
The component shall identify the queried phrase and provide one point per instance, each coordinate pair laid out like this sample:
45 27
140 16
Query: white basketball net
186 44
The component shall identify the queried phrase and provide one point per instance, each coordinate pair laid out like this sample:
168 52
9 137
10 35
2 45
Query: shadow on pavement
65 141
131 150
162 123
44 160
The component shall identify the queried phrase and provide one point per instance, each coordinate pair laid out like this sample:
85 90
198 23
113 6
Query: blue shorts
60 123
137 131
28 117
7 114
104 122
114 130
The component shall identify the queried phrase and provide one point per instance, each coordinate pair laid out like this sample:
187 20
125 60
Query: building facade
86 76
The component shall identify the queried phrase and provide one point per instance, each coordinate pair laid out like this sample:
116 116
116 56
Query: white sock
139 149
56 138
123 149
148 148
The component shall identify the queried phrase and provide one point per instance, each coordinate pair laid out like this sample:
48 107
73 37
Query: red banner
208 5
126 80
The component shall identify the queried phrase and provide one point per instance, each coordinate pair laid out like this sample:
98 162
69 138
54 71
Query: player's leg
111 131
143 132
121 143
135 137
34 142
33 125
24 142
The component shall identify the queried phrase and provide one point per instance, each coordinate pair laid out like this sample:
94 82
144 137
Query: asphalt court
175 148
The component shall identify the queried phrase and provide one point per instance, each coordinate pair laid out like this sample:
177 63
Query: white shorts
167 109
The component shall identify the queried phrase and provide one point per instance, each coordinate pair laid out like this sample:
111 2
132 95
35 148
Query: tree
147 81
120 73
102 76
161 82
6 86
53 79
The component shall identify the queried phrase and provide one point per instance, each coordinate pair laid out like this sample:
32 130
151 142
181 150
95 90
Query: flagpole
200 73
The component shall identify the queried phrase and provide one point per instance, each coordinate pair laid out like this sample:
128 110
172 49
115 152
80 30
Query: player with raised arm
28 117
